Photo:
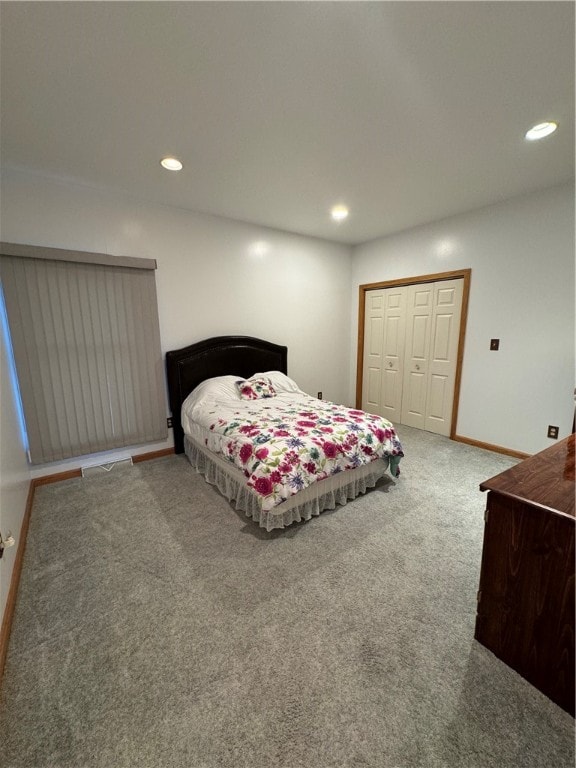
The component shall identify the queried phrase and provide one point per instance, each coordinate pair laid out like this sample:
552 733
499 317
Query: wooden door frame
464 274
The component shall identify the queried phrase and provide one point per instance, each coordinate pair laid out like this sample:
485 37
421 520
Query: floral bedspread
288 442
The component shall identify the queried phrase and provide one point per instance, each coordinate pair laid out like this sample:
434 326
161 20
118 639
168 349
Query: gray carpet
156 627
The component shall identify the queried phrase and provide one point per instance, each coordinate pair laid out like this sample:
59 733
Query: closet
410 360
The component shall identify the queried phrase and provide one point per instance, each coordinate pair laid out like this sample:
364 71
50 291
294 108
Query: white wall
14 471
303 292
522 291
214 277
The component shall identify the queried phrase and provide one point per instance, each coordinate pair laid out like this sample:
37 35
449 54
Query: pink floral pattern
287 444
254 389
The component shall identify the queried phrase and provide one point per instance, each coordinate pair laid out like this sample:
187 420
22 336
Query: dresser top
544 480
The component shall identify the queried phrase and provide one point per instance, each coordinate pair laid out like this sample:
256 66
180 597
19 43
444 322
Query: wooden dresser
526 596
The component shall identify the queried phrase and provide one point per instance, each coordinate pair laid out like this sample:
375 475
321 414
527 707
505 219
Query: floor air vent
111 466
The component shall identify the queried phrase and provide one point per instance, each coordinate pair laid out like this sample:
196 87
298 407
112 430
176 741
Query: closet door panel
373 345
445 331
437 393
393 353
417 351
443 327
376 339
373 369
391 392
413 398
372 387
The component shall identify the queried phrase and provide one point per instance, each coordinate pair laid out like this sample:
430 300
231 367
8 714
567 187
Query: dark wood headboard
240 356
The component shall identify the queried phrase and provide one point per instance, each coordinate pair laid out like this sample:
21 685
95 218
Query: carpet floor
158 628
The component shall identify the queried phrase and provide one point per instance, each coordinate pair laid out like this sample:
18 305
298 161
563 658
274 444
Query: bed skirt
307 503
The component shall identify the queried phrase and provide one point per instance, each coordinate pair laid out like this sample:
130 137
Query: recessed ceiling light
339 212
171 163
541 130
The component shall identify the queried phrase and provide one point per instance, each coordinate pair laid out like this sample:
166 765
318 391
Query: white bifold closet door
384 335
411 338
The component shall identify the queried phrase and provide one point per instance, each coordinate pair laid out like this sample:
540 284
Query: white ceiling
407 112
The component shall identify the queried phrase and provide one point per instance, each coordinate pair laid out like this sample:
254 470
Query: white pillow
280 382
210 390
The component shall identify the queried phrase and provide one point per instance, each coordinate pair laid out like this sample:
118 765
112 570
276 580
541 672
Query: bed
278 454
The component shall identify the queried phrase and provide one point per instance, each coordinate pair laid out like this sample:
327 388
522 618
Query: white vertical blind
87 350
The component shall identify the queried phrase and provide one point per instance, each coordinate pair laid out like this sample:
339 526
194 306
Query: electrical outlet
319 395
169 422
553 432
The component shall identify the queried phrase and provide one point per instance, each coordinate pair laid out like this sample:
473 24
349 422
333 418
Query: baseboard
490 447
56 478
15 580
152 455
17 570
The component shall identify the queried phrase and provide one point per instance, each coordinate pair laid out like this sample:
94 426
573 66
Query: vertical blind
86 342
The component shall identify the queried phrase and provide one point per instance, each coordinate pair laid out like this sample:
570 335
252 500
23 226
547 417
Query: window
86 341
